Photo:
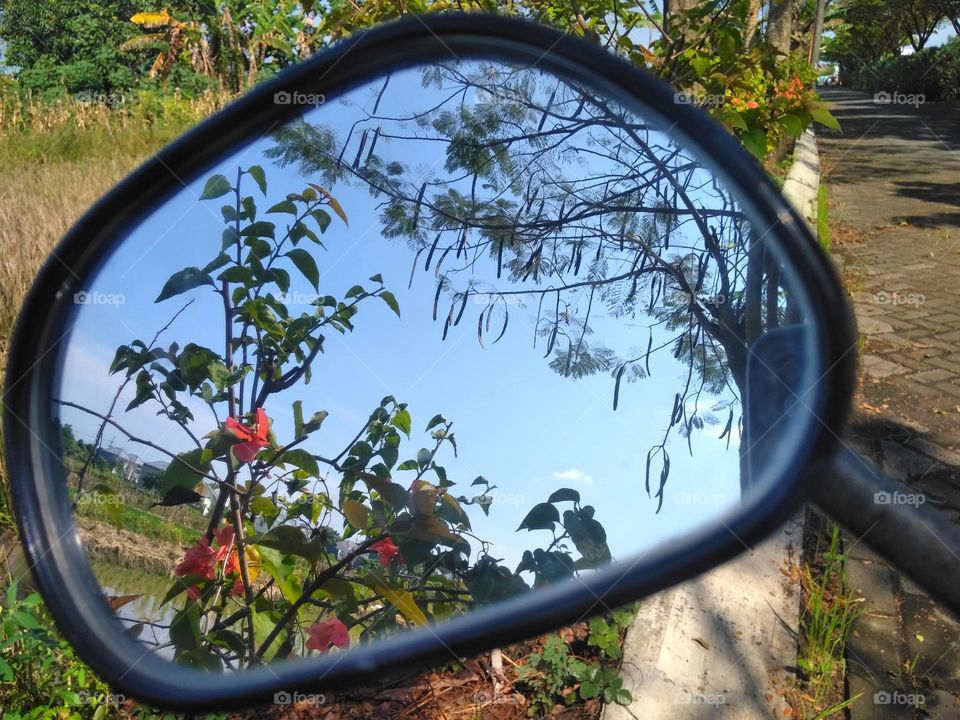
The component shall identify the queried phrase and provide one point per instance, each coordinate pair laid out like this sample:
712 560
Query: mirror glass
464 332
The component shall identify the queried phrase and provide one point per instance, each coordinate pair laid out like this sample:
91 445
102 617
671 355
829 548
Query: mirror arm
917 540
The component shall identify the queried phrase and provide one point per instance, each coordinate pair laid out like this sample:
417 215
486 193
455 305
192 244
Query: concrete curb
803 179
722 645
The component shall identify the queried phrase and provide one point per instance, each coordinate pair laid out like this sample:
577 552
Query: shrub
932 72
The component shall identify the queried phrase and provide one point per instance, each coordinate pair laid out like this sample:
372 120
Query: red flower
326 633
386 551
199 560
251 439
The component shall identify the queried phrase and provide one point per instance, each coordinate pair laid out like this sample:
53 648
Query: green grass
827 616
142 522
823 226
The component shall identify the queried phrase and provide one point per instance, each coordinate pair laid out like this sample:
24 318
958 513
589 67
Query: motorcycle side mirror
459 331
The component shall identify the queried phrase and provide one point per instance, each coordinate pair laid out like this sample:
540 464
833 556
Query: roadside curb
803 179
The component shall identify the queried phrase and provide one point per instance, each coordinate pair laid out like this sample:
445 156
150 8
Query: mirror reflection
464 332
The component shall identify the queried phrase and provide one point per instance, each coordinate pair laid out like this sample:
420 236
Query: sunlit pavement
893 181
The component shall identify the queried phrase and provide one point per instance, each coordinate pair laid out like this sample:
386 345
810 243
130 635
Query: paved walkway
893 184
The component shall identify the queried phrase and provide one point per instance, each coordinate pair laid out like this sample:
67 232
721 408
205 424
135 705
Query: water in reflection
466 331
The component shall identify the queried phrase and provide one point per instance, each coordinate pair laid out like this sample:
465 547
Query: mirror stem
862 499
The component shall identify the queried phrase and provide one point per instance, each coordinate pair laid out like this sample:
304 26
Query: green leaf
756 142
218 262
732 119
322 218
424 457
564 495
824 117
357 514
298 420
256 172
391 301
792 124
187 279
306 265
266 507
185 628
259 229
280 568
302 459
181 585
284 206
542 516
180 474
434 421
291 541
180 496
402 422
216 186
401 600
315 422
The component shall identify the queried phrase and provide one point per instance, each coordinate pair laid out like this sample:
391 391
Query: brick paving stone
892 187
933 376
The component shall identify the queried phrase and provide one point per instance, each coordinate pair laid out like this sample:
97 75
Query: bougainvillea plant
311 548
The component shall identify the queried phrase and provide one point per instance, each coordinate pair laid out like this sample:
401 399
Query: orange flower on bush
251 439
327 633
201 561
386 551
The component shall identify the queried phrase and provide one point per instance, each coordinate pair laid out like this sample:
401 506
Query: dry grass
58 158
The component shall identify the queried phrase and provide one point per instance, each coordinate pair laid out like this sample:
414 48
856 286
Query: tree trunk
780 25
753 16
817 33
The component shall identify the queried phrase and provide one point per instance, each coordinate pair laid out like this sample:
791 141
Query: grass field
58 159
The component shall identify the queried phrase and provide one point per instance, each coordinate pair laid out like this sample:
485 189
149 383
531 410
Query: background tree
70 46
644 232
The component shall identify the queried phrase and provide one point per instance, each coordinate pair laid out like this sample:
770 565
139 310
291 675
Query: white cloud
574 475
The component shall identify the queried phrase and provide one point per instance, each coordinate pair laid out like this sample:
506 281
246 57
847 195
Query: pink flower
326 633
198 560
250 439
386 551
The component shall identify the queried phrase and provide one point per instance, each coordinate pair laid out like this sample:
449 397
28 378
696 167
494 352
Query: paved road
893 182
